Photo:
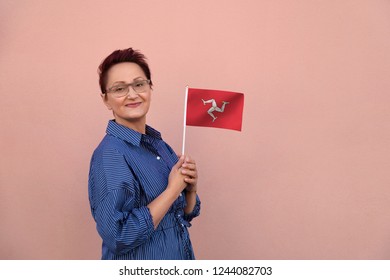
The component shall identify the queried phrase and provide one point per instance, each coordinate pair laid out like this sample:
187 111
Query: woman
142 195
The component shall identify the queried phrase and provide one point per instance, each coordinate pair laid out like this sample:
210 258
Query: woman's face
131 109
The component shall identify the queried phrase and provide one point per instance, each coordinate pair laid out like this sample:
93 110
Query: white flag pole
185 121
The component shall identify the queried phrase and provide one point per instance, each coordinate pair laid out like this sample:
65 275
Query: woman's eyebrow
119 82
124 82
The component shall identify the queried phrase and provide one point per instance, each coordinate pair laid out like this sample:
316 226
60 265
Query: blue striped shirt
129 170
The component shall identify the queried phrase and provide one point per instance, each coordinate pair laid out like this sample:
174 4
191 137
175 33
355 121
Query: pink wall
308 178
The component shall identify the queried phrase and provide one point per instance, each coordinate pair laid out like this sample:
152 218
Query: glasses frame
132 85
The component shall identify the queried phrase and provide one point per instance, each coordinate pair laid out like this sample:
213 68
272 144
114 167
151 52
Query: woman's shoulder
110 145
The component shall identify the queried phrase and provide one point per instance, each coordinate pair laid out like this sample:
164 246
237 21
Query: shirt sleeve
195 212
114 195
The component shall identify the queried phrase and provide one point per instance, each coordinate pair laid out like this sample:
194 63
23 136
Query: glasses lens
119 90
123 89
140 86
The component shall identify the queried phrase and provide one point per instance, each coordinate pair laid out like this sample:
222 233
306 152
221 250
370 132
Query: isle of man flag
215 108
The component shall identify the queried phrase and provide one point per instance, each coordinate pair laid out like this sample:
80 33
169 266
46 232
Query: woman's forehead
125 72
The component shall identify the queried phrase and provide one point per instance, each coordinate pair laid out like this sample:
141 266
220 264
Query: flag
214 108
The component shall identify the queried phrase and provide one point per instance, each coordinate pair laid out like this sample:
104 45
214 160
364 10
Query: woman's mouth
133 105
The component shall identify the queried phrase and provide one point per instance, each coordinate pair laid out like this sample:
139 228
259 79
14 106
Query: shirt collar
130 135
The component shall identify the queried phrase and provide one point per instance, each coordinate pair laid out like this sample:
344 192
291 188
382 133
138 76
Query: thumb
180 162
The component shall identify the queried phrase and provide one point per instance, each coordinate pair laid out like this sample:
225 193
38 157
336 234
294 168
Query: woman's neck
139 125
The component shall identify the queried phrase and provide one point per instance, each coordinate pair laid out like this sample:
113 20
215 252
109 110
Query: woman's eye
119 89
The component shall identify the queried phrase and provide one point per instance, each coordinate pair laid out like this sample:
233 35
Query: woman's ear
105 101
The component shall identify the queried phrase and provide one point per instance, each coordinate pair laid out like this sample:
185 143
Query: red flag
215 108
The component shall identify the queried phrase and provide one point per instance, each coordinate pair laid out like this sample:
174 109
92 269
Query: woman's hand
176 179
183 176
188 168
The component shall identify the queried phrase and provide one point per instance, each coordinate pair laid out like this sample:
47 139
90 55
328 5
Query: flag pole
185 121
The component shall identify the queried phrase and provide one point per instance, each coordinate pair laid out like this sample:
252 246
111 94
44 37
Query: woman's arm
183 175
113 197
176 183
121 223
189 169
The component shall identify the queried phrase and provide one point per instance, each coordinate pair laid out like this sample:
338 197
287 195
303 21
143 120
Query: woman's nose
131 94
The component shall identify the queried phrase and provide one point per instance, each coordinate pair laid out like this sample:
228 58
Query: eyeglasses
121 90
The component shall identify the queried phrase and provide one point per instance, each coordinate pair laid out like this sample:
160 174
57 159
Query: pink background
308 178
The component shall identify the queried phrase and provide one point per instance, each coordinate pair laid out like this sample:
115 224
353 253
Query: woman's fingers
189 163
191 181
190 166
189 173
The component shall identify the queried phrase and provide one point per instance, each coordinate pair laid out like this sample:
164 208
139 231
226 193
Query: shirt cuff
148 227
195 212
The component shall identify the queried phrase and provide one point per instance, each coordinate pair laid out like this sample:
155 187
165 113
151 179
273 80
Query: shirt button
158 158
182 225
180 194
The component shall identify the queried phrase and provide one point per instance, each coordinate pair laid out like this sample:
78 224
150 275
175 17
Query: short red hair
119 56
